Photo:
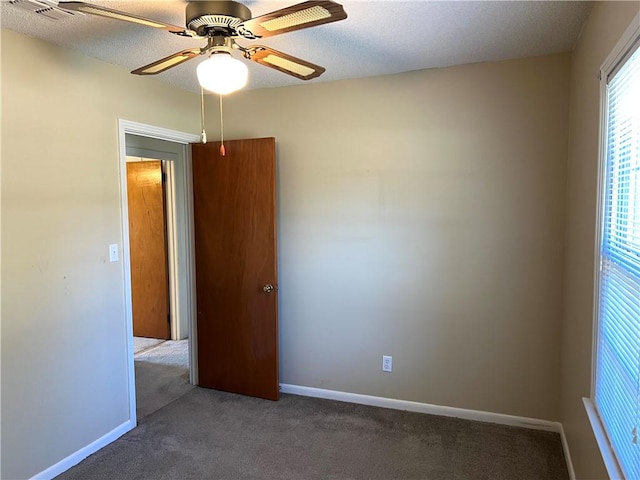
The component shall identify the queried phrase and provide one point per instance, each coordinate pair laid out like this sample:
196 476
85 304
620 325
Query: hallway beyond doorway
161 372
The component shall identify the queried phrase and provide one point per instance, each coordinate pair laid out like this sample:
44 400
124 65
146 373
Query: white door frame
141 129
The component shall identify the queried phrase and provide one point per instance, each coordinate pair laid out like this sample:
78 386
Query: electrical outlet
387 363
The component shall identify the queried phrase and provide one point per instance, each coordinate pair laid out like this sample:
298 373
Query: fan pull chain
223 151
203 135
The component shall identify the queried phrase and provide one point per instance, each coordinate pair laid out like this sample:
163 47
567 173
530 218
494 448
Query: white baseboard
567 455
76 457
477 415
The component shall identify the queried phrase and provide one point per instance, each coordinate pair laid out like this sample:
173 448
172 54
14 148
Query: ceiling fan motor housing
220 22
208 17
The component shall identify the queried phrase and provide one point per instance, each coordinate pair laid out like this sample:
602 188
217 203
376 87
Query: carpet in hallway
140 344
169 352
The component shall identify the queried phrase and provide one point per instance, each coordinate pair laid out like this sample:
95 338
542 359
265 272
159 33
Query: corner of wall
603 29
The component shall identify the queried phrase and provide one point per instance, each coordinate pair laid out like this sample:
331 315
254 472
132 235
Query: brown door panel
235 251
148 250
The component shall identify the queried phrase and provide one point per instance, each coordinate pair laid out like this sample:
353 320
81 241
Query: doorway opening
155 164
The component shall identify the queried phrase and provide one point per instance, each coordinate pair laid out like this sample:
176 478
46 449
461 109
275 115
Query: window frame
626 46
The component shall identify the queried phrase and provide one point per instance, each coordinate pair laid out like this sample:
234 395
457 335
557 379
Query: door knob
268 288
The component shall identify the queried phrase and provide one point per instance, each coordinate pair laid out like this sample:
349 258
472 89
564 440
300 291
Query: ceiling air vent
42 7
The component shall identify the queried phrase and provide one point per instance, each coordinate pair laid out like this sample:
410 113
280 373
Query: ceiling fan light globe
222 74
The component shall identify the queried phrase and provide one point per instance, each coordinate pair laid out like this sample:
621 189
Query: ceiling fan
221 22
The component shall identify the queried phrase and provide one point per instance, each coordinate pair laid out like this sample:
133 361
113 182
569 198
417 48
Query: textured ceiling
377 38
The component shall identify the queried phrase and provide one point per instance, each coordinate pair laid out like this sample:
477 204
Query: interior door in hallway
148 249
236 275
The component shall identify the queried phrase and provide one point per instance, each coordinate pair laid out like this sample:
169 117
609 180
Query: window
616 392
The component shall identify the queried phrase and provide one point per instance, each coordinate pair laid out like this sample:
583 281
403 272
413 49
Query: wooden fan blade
168 62
296 17
124 16
284 63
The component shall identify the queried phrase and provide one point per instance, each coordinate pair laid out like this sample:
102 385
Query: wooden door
235 255
148 249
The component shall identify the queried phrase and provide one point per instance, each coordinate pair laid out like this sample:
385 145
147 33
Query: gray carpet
207 434
158 385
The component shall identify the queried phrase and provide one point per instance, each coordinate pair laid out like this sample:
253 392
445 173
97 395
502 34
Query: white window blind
617 375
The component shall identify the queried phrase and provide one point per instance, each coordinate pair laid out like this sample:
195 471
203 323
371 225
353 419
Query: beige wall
421 215
607 22
63 360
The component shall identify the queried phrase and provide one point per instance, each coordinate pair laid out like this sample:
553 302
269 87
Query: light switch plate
113 252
